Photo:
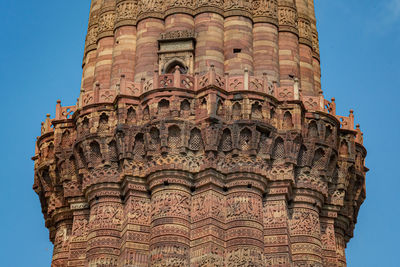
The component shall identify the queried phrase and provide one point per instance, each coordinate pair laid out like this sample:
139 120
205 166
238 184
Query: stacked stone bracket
201 162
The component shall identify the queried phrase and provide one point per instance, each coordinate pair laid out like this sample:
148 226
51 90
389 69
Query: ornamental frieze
315 42
148 6
106 22
139 211
170 204
173 35
169 255
240 206
305 222
180 4
245 257
287 16
238 4
106 216
126 10
208 3
265 8
305 31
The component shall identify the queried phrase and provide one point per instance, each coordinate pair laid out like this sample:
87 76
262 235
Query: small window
171 68
237 50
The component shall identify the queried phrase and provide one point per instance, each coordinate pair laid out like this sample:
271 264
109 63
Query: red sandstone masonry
265 50
317 75
88 71
104 58
124 54
179 22
148 33
238 32
288 57
315 44
241 162
209 28
306 69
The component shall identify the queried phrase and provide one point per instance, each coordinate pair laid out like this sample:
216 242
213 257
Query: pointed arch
196 140
131 114
220 108
175 64
174 137
245 139
138 146
302 157
236 111
256 111
155 140
226 141
185 105
319 159
95 153
279 149
103 123
163 107
312 130
112 148
287 120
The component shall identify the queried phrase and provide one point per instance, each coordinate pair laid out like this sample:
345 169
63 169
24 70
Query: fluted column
208 221
276 225
288 42
148 33
244 222
136 228
62 238
104 235
315 48
105 45
305 48
265 39
78 245
89 60
124 53
209 28
170 219
149 27
305 229
328 238
179 22
341 225
238 39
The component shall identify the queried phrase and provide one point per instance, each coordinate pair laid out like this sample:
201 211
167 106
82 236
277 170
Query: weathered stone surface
200 138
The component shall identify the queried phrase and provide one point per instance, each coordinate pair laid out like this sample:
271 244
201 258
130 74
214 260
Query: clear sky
41 47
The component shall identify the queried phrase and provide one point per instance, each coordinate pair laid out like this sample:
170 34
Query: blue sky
40 61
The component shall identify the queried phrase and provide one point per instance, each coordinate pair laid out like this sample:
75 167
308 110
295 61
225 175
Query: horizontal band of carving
132 13
305 32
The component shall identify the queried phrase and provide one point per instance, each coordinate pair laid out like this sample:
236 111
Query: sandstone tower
200 138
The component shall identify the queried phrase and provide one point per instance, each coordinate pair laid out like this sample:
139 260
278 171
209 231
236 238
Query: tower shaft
200 138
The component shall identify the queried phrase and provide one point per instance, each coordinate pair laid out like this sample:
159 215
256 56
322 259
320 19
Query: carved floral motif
305 222
268 8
